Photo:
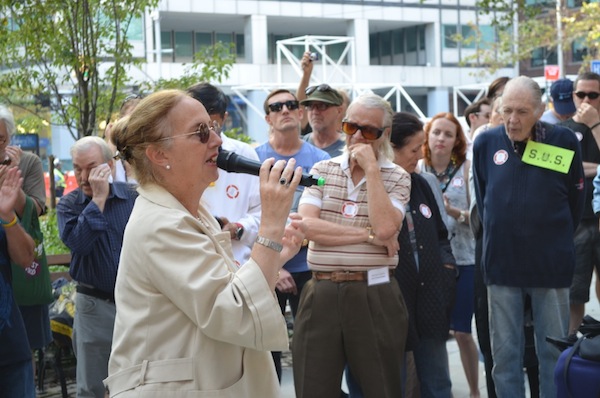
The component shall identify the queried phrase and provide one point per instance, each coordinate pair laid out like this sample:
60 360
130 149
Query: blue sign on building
27 142
595 67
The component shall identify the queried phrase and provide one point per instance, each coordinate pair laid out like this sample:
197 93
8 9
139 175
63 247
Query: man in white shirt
234 199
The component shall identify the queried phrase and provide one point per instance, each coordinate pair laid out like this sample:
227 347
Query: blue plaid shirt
94 237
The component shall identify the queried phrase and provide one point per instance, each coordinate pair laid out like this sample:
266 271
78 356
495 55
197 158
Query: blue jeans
92 340
16 380
550 318
431 361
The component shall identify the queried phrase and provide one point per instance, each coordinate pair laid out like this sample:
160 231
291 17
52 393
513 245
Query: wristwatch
463 217
239 231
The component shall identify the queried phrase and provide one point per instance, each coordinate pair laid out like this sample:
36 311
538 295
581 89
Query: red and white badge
349 209
458 182
232 191
425 210
500 157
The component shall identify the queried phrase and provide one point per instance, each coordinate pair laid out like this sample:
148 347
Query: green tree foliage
211 64
537 28
68 55
585 25
49 227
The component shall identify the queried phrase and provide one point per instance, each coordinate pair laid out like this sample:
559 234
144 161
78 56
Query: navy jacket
529 213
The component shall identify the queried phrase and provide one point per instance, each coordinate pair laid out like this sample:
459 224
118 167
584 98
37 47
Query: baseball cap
322 93
561 92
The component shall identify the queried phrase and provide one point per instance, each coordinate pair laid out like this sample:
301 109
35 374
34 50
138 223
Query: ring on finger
283 181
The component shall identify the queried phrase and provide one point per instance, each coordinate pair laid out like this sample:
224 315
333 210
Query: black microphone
233 163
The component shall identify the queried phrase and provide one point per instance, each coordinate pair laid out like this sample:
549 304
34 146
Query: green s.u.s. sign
548 156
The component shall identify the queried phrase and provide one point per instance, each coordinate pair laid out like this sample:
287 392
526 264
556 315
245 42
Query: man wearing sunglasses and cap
324 110
323 105
352 311
586 125
283 114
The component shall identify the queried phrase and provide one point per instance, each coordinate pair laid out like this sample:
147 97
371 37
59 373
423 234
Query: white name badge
378 276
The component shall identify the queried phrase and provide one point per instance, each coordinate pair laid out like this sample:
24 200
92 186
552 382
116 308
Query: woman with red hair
445 156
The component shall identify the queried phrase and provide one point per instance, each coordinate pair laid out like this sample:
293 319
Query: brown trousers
350 322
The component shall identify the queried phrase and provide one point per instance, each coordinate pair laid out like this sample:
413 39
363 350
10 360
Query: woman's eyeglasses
583 94
292 105
320 87
368 132
202 132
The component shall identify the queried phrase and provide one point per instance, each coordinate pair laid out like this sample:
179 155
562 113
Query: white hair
7 117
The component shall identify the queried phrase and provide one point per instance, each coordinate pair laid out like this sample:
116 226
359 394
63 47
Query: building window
135 31
579 50
203 39
166 46
448 34
184 49
405 46
240 47
541 56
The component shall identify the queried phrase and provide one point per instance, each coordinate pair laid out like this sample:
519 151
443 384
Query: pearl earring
168 167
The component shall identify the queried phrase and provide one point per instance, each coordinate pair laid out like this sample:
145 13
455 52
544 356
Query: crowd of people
184 271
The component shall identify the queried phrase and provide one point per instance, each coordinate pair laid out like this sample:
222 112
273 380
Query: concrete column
359 29
258 129
256 40
438 100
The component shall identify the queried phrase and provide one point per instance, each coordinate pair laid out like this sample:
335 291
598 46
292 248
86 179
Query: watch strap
261 240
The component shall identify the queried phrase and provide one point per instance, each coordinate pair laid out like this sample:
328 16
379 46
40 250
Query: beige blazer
189 323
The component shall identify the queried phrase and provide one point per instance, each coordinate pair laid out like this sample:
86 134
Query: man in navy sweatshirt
529 187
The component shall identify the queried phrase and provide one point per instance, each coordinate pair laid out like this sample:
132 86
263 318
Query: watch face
239 232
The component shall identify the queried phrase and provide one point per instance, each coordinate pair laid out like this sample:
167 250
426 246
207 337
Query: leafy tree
70 56
211 63
536 29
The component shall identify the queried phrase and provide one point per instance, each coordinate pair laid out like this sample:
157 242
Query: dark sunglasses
292 105
202 132
319 106
370 133
320 87
583 94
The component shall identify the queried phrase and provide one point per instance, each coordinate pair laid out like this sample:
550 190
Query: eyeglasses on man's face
318 106
591 95
292 105
202 132
368 132
320 87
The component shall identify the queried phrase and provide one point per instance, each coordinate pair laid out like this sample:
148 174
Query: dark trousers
300 278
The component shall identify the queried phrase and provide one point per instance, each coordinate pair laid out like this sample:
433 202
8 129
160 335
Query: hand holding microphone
233 163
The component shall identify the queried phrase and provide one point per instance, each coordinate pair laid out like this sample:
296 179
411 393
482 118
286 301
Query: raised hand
9 191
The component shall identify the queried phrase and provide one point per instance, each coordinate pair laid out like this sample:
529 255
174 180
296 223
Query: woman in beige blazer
189 322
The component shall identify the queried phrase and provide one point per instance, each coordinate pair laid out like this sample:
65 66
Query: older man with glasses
352 310
528 174
586 125
283 114
324 107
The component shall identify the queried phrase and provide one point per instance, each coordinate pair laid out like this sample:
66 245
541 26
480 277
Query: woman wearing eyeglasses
352 310
445 152
189 321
